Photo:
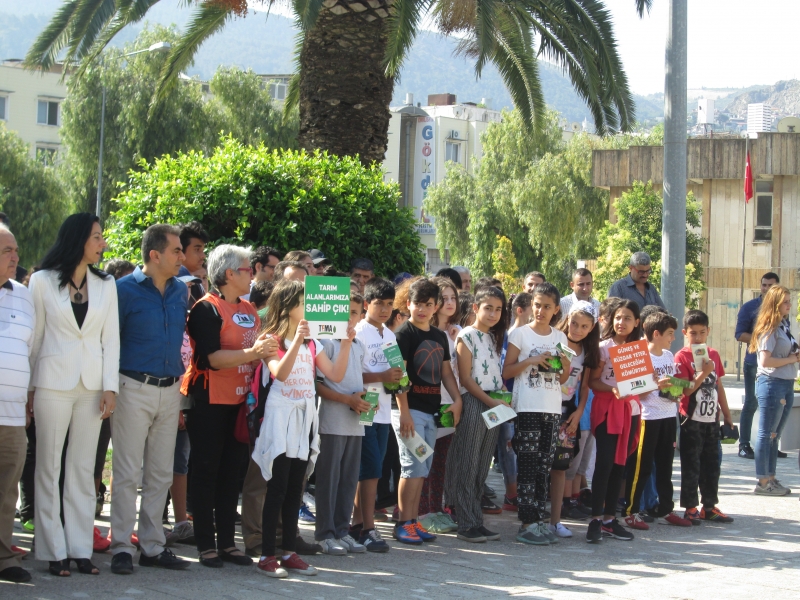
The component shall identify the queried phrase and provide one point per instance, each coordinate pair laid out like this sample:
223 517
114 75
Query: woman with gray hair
223 331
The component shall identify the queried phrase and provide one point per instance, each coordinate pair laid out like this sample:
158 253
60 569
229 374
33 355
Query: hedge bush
283 198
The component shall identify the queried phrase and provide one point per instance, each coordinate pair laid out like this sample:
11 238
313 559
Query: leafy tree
183 120
533 189
241 106
505 265
638 228
32 197
349 54
284 198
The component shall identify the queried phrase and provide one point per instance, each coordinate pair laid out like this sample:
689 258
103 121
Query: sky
732 43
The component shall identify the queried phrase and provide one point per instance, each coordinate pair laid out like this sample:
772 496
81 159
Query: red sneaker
715 514
673 519
269 566
634 521
297 565
693 516
20 551
99 542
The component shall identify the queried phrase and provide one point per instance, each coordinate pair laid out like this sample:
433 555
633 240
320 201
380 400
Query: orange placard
633 368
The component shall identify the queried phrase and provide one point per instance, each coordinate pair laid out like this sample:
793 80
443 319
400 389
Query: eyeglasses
246 270
643 273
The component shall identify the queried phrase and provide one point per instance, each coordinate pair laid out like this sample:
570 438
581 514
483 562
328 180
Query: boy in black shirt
426 353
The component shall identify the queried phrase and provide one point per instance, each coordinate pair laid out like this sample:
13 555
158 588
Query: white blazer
63 353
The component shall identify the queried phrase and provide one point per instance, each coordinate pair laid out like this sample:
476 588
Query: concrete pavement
758 556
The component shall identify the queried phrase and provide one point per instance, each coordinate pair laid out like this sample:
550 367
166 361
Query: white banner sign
424 171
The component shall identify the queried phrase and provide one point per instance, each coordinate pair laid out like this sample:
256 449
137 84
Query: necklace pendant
78 297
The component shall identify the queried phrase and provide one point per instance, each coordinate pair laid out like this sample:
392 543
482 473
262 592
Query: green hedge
286 199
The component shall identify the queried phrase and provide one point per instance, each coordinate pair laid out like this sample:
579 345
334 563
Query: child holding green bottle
478 348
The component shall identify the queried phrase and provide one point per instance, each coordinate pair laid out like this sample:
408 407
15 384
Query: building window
3 108
452 151
763 228
47 154
277 91
47 113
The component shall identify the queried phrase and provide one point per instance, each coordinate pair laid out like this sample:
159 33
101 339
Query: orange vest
240 325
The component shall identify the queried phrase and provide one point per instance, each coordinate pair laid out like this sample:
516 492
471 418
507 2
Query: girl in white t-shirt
289 438
583 336
479 348
611 421
431 502
539 371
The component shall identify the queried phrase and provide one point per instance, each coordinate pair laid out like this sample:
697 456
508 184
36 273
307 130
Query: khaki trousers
13 445
253 492
144 425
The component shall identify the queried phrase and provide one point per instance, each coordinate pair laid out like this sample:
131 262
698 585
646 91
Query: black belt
150 379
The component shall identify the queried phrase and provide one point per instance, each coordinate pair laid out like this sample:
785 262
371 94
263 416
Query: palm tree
349 53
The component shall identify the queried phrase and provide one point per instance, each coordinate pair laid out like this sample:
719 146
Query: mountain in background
783 97
266 44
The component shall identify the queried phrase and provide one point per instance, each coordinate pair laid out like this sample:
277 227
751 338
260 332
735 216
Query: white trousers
144 425
56 411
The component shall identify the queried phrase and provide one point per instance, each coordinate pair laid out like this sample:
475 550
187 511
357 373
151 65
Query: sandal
85 566
235 556
215 562
60 568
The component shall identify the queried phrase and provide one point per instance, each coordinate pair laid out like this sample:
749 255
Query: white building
421 140
759 118
30 105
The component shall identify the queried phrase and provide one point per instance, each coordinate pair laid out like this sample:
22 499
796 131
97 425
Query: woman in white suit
75 379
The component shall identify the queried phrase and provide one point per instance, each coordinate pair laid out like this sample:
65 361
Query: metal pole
100 159
673 235
744 245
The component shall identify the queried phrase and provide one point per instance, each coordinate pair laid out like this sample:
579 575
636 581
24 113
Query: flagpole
744 245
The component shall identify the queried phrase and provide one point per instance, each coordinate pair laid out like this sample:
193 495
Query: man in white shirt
581 285
17 321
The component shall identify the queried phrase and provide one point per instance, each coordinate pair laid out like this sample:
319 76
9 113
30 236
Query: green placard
504 396
395 359
327 306
372 396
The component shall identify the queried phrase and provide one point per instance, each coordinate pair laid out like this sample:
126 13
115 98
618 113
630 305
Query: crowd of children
465 358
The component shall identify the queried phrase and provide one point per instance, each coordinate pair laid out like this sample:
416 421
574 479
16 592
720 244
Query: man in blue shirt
152 318
635 286
744 329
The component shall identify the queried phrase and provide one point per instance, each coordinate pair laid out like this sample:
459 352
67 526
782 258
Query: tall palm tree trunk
344 92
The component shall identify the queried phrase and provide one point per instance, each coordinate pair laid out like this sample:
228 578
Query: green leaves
638 228
286 199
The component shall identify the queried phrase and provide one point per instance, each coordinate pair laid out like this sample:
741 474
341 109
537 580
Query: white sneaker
769 489
560 531
333 547
351 545
780 486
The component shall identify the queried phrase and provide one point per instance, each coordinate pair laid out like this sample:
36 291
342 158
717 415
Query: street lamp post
157 47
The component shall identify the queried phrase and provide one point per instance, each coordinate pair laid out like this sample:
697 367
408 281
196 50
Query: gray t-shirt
779 344
336 418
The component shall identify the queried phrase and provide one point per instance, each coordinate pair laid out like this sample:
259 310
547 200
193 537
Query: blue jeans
750 404
775 398
506 454
650 493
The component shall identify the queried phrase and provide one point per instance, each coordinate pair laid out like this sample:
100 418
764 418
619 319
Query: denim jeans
775 398
650 493
750 404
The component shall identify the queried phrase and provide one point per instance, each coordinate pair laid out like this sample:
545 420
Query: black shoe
212 562
255 552
122 564
471 535
489 534
489 491
782 454
165 560
489 508
594 535
746 452
615 530
237 559
304 548
15 575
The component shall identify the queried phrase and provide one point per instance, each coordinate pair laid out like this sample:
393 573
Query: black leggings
284 495
607 475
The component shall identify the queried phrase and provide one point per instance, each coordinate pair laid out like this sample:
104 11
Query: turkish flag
748 180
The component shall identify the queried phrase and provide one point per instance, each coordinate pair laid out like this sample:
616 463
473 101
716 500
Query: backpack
248 421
